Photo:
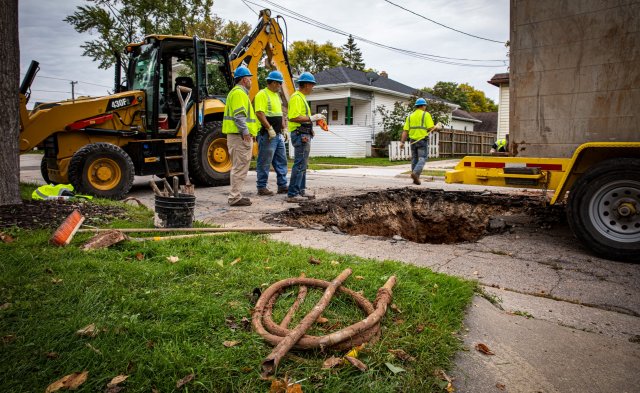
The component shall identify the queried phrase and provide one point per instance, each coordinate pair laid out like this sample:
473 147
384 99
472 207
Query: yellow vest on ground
238 102
298 106
418 124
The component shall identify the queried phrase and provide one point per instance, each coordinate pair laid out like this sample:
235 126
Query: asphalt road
557 318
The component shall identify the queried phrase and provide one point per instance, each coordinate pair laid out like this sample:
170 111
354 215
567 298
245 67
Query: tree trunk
9 114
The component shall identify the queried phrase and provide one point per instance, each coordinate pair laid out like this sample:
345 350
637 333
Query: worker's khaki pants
240 152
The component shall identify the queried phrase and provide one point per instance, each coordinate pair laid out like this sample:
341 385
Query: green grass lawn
159 321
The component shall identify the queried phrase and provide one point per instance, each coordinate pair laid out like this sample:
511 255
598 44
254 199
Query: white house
350 99
463 121
502 82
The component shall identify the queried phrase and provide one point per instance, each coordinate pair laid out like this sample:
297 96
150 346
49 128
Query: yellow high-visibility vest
238 102
418 124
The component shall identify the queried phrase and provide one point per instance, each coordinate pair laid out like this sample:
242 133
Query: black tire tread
79 159
197 170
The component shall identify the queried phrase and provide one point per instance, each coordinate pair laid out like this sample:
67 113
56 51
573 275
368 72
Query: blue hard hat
420 102
307 77
275 76
241 71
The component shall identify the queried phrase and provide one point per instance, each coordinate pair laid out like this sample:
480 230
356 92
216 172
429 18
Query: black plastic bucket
174 212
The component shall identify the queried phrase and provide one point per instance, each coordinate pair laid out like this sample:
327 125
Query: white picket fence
342 141
397 154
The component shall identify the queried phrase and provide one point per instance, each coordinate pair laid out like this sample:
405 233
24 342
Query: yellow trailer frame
557 174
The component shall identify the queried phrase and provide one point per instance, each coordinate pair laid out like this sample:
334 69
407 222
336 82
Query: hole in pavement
422 216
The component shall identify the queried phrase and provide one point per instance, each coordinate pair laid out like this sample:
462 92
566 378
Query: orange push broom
65 232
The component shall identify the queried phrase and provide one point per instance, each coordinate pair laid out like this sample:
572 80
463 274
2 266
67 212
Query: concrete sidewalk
389 171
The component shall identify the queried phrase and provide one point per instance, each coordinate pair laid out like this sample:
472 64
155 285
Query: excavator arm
266 38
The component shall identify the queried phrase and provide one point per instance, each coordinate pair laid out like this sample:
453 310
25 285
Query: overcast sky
46 38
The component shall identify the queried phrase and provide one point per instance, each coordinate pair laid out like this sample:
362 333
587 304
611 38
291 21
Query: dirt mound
50 214
422 216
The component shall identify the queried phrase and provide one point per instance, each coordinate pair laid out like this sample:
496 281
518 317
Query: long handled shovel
188 187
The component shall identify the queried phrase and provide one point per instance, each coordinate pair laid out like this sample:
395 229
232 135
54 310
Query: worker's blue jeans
297 183
271 152
419 152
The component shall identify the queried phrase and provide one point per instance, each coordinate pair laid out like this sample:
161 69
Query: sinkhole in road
422 216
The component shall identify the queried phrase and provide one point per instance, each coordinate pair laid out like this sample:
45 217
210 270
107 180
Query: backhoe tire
101 169
209 160
44 171
603 209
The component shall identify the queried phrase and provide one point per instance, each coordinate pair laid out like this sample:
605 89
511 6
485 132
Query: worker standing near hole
272 137
240 125
417 127
300 119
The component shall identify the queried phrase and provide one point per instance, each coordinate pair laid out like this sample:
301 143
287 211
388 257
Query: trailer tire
209 160
101 169
603 209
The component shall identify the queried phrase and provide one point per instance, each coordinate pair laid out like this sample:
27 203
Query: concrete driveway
557 318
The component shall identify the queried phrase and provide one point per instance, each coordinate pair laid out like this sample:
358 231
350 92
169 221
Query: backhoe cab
99 144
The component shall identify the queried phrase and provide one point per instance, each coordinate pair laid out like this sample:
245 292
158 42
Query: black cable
245 3
424 56
445 26
70 80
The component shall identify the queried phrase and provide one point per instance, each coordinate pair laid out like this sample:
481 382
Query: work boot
416 178
241 202
307 195
283 190
265 192
296 199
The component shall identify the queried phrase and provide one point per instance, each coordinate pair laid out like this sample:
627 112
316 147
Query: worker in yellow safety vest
499 146
417 127
300 125
241 126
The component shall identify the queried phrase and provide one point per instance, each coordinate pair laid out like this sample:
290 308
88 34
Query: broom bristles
65 232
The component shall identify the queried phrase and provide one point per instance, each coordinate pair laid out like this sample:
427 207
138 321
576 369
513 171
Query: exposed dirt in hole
422 216
50 214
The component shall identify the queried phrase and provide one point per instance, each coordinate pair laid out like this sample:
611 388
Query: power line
445 26
424 56
248 6
69 80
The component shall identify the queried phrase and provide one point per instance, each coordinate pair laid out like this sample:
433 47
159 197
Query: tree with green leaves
351 55
478 101
309 56
392 120
451 92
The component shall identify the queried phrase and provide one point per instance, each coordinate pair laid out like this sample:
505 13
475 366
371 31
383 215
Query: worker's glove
285 135
317 116
271 132
401 145
438 127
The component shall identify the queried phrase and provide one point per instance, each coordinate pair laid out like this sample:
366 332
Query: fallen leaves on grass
331 362
6 238
8 338
314 261
322 320
70 382
173 259
230 344
56 280
395 308
335 263
284 386
88 331
359 277
94 349
185 381
235 261
361 366
139 256
220 262
113 386
420 328
394 369
480 347
52 355
402 355
5 306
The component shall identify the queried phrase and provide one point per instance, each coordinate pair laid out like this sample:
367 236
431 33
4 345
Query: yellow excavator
99 144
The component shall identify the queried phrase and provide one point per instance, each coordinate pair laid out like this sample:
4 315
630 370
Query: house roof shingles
489 121
338 75
464 115
499 79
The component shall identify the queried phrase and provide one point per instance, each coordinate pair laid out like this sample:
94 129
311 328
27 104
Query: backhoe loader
98 144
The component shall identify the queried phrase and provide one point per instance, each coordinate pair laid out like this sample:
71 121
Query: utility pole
73 95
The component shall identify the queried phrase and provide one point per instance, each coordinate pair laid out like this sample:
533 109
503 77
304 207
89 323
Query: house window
348 115
334 115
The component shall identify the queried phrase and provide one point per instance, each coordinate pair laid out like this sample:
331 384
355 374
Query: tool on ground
188 187
367 330
176 186
155 188
168 191
65 232
239 229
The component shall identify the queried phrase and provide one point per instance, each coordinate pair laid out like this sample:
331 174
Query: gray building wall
575 74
